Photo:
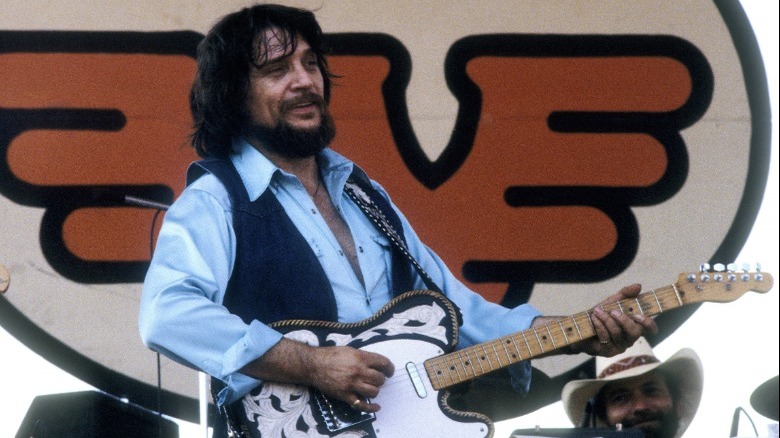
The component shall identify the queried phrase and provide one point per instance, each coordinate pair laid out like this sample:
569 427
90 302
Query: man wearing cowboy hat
635 389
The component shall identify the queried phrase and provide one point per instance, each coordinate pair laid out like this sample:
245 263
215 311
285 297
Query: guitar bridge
336 415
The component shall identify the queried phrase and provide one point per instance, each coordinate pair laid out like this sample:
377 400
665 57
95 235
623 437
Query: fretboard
466 364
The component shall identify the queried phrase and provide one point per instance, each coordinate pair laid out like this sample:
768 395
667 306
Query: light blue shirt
181 313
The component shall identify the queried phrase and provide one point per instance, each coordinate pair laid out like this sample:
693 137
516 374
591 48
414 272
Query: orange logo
588 128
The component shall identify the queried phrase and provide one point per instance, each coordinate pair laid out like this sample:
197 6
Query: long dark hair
219 93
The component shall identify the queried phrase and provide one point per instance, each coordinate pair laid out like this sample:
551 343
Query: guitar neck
468 363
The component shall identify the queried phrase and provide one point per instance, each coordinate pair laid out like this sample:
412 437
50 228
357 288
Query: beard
290 142
667 427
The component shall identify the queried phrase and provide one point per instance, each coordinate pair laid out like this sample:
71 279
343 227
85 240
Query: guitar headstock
722 283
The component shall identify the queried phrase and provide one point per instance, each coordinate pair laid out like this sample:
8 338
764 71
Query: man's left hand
616 331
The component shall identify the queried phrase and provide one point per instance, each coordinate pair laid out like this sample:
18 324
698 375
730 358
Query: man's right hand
349 374
343 373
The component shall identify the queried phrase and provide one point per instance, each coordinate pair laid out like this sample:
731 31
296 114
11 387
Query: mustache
642 418
303 99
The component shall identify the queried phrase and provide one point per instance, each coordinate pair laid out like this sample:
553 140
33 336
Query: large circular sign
549 151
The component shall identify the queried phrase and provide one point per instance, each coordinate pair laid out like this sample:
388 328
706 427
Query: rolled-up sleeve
181 314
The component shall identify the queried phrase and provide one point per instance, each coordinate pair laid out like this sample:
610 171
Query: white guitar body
404 413
413 328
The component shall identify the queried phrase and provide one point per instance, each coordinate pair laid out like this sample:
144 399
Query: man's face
644 402
288 88
287 113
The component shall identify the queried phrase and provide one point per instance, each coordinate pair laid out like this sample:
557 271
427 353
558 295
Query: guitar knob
704 267
732 267
719 267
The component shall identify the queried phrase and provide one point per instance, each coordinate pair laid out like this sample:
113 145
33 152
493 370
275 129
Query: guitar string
649 304
459 364
644 301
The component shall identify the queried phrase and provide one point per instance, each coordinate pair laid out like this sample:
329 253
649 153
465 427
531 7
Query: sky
737 342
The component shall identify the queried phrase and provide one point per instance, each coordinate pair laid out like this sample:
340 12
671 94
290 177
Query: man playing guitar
274 225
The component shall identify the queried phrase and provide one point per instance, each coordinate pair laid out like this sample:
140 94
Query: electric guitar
418 332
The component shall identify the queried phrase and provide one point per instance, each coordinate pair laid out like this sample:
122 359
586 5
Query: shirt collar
257 171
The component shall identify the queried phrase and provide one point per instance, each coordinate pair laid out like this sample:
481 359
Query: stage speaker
92 414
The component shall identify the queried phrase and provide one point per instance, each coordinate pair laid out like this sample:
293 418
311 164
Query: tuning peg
718 267
745 276
731 269
704 270
759 275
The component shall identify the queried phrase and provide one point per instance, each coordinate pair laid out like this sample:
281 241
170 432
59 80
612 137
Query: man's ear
677 407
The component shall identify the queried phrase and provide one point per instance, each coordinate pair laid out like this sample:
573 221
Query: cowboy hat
635 361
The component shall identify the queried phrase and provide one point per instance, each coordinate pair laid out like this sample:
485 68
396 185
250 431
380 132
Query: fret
479 361
539 341
498 357
620 305
446 372
470 360
552 338
519 353
660 307
509 355
577 326
479 357
466 361
639 304
450 368
591 327
565 338
457 364
677 294
486 356
590 320
436 371
530 352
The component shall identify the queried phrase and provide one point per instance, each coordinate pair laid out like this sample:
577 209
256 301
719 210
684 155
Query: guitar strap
374 213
